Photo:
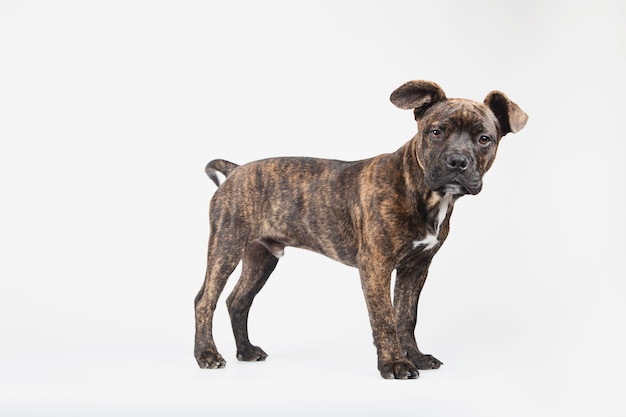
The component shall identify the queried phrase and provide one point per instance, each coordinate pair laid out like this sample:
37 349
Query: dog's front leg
410 279
392 363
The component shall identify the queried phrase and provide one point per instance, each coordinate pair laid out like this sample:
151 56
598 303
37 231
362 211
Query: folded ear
509 115
417 95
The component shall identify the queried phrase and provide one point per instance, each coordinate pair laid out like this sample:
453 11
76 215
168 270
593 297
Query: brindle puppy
380 214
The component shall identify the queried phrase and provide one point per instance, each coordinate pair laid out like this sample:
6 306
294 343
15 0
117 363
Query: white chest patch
431 240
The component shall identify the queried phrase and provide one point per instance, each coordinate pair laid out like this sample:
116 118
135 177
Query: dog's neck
434 208
414 182
432 239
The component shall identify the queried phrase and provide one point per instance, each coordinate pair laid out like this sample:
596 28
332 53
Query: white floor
312 383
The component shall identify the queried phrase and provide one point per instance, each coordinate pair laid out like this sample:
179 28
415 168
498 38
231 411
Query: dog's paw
400 369
425 361
210 360
251 354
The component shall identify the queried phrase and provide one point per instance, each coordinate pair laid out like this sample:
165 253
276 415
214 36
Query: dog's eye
435 133
484 140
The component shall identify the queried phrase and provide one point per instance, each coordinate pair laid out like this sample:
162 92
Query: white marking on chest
431 240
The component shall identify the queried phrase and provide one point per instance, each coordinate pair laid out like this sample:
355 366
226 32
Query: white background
110 110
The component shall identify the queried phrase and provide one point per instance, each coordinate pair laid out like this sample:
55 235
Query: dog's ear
510 116
417 95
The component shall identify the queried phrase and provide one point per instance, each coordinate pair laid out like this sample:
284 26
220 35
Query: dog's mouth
454 188
456 185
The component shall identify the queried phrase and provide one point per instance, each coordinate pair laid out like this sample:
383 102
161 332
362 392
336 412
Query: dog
387 213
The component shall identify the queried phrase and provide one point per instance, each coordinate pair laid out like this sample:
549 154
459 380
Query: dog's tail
219 165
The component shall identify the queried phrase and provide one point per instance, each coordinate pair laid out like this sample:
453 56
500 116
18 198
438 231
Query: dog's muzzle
456 174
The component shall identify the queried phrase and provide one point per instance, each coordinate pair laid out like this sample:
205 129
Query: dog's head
457 139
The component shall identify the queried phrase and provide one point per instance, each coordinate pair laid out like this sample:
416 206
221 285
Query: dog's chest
431 239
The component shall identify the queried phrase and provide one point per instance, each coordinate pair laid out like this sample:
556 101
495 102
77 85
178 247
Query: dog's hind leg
257 265
223 257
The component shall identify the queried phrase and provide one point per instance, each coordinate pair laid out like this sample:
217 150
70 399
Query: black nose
458 162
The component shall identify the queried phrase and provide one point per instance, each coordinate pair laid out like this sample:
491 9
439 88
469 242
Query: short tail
219 165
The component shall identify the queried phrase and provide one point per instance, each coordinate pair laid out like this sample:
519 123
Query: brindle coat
380 214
